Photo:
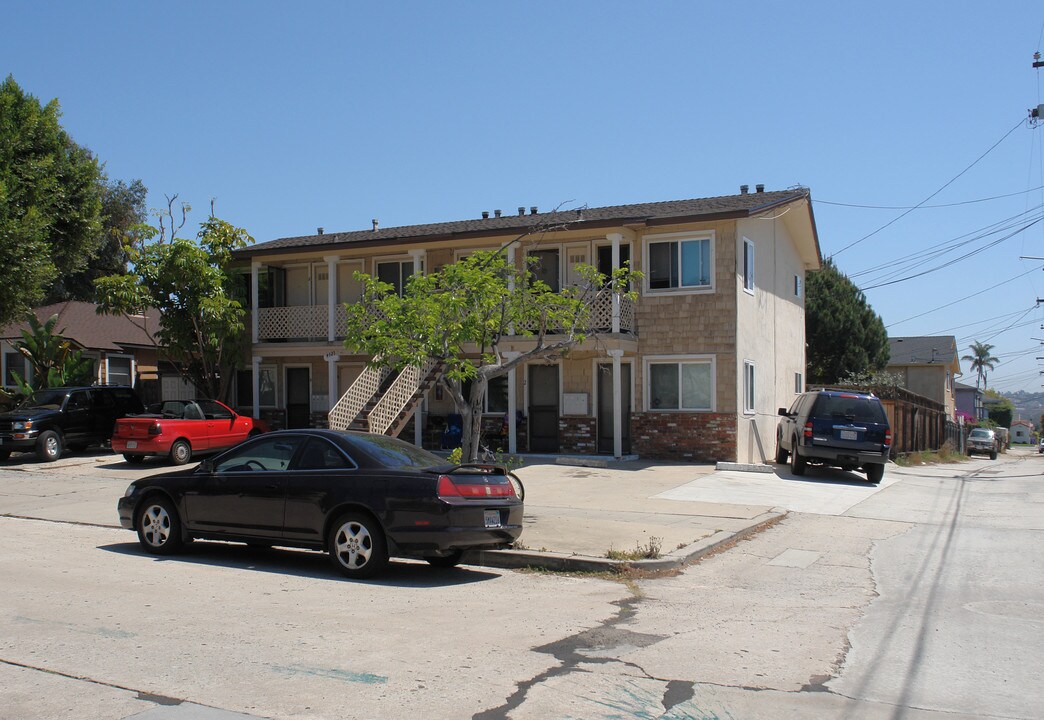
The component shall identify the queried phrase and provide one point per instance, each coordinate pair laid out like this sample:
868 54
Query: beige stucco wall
770 331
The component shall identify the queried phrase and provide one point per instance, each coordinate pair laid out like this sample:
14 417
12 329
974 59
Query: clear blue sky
299 115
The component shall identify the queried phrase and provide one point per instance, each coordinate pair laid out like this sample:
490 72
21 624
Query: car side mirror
206 466
783 412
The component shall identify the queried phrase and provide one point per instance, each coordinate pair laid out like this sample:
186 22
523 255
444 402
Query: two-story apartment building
693 370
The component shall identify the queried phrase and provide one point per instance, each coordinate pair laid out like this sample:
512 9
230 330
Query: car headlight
22 424
131 489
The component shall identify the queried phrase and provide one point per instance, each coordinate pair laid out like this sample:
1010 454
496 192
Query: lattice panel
398 396
355 398
297 321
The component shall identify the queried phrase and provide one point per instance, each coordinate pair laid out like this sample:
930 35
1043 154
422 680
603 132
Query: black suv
835 427
50 420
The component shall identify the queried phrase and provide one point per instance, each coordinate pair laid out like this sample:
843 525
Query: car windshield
850 407
980 433
44 400
393 453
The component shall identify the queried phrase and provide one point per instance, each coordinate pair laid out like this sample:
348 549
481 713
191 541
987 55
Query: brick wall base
578 435
687 437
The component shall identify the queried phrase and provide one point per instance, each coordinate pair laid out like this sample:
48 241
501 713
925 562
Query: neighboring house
928 366
1022 431
969 401
123 352
713 346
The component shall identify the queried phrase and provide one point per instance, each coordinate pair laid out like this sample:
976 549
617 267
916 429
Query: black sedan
361 497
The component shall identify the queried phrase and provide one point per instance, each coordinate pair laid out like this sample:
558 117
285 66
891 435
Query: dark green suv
845 429
51 420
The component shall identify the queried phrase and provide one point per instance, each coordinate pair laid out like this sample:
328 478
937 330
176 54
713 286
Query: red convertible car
180 429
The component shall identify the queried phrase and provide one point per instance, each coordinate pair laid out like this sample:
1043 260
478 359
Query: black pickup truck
51 420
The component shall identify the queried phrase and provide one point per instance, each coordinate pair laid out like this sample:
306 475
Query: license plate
131 444
849 435
492 518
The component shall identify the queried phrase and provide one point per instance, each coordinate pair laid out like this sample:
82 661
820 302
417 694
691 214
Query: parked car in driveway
360 497
52 420
982 441
845 429
181 429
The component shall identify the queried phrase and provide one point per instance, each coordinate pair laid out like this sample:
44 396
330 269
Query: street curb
565 562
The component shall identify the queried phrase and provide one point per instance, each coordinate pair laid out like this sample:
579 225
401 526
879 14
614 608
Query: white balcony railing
310 322
297 322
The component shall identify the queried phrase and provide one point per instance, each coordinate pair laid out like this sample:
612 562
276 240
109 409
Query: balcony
310 323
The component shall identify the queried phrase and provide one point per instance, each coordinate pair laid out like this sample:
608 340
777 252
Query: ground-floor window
748 387
680 383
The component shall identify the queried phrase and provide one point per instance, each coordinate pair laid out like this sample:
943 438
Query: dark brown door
298 406
543 408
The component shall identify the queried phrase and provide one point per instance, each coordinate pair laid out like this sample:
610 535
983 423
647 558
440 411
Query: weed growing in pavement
649 551
946 454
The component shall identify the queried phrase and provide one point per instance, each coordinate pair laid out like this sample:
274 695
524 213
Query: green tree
124 217
50 200
1001 410
201 326
845 336
54 361
981 360
460 316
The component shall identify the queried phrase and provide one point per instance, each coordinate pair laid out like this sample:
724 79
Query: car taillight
497 486
155 429
888 438
808 430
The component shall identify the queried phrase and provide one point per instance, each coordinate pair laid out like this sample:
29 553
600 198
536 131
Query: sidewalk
576 516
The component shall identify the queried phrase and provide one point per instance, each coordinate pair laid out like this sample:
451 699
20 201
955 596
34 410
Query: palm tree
981 361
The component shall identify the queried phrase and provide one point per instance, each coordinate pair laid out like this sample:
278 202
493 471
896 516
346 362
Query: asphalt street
921 598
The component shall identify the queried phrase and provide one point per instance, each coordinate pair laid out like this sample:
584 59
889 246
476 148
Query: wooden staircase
369 405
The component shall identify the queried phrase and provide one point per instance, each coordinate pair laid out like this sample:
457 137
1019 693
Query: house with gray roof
122 348
694 369
928 366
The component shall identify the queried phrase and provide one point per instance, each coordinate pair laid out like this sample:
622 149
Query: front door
298 398
605 406
543 408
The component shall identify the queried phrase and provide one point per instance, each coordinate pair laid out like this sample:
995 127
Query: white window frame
25 372
750 396
679 360
274 369
485 399
799 383
798 283
679 237
543 247
748 266
133 367
400 259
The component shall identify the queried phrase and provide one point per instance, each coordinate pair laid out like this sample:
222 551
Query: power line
927 207
955 260
966 297
948 183
940 249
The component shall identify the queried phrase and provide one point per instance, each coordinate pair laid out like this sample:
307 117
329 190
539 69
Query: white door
575 255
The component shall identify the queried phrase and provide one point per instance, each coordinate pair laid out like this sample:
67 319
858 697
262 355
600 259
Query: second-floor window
546 267
680 264
748 265
395 273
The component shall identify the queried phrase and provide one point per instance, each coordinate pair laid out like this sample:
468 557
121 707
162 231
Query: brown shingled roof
729 206
81 323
